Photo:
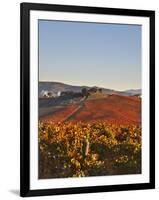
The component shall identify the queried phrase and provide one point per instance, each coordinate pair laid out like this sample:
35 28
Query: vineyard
88 149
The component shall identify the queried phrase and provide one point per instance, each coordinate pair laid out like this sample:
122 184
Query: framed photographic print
87 99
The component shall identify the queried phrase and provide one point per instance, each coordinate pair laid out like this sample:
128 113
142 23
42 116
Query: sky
90 54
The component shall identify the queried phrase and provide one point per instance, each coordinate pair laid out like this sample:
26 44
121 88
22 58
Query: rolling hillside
112 109
55 87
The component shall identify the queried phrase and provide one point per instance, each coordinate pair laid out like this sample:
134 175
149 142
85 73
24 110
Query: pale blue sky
92 54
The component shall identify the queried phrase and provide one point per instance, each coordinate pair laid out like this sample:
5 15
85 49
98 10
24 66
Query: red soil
112 109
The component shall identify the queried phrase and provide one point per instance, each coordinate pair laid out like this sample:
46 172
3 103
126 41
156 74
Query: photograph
89 99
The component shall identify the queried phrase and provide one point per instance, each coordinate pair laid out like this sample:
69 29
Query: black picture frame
25 9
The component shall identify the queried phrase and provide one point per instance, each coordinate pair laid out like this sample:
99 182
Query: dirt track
113 109
75 112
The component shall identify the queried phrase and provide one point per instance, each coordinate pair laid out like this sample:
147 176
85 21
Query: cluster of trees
86 92
71 94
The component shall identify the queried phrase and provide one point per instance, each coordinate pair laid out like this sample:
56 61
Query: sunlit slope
113 109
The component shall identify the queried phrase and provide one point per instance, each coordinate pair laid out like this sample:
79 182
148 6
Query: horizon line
89 86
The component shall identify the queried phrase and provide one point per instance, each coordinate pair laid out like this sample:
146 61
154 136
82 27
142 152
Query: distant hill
133 92
56 87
